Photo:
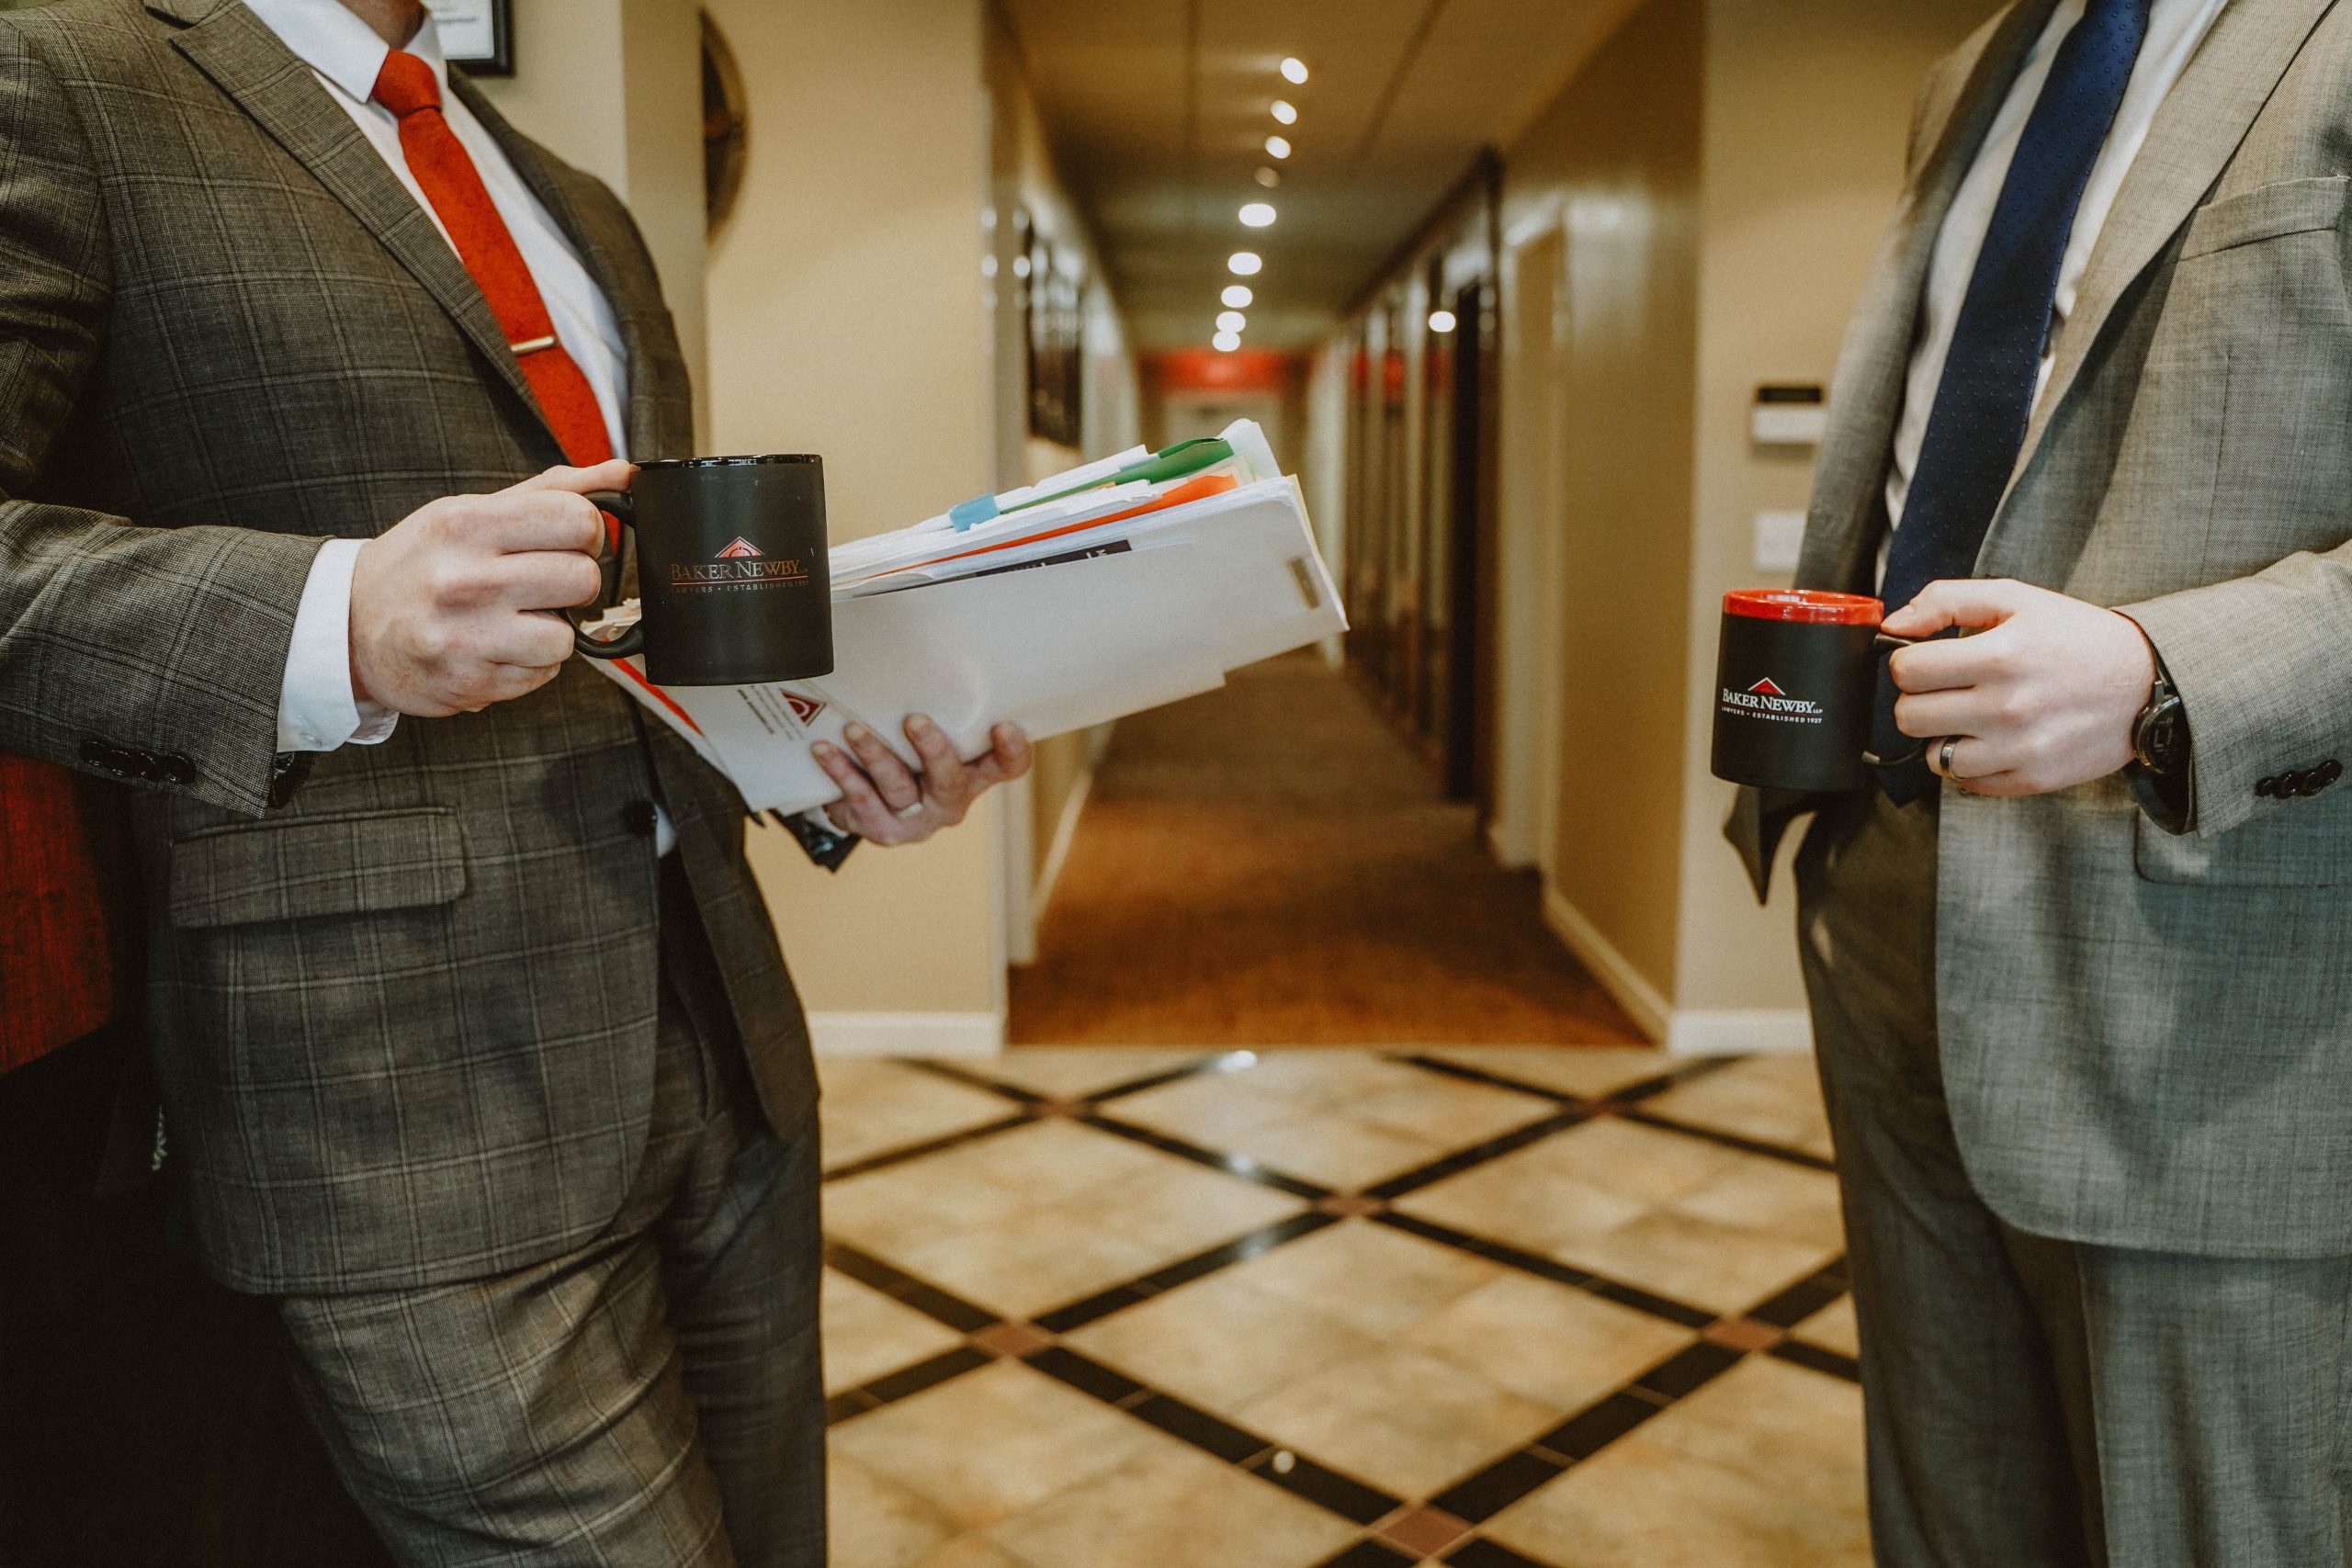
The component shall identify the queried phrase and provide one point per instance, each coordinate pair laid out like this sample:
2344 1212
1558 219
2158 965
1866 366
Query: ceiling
1158 112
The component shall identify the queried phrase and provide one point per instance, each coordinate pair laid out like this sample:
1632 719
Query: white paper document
1053 616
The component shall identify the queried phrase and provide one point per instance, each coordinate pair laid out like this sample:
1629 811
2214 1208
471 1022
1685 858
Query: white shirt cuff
316 708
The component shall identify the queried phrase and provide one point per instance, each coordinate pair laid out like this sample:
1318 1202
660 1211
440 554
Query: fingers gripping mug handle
1889 645
632 642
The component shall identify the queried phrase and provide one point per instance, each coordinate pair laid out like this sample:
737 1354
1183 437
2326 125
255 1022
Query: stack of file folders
1115 588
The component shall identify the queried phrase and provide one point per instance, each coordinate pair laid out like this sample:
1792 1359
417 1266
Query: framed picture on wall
477 34
1053 304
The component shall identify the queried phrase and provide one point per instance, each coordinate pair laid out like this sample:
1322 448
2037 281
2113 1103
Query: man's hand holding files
446 606
885 802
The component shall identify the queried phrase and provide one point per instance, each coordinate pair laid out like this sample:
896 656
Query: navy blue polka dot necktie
1985 398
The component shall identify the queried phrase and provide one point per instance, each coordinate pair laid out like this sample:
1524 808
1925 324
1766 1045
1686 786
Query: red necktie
439 160
56 977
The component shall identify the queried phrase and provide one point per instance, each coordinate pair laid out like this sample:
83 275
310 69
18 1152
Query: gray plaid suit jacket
405 1014
2147 1023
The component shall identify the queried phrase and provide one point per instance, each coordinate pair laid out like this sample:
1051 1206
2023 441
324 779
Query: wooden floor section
1271 864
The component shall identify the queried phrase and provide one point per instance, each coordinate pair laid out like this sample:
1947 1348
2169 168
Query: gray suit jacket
2147 1025
403 1014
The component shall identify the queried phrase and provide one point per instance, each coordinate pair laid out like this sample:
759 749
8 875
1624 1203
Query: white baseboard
1505 846
1652 1012
907 1033
1058 852
1688 1032
1733 1032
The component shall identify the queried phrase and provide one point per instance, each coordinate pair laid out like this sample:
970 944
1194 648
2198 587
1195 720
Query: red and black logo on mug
1796 679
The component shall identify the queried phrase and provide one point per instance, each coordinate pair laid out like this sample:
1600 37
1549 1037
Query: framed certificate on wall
477 34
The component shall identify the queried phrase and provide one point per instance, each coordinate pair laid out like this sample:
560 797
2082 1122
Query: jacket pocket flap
318 866
2295 843
2266 213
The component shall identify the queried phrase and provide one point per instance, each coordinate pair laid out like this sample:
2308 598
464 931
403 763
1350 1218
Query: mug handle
632 642
1888 644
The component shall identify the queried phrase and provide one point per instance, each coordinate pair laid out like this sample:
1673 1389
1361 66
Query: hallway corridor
1269 864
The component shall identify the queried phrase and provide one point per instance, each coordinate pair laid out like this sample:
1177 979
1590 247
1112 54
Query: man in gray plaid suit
477 1055
2083 1003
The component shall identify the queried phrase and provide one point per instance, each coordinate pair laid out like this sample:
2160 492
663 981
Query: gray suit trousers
650 1400
2032 1402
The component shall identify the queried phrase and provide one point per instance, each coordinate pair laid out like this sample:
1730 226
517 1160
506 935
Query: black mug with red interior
1796 682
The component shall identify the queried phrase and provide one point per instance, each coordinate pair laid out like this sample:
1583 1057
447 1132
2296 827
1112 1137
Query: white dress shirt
317 710
2175 29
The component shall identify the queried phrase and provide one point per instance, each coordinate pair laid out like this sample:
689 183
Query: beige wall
1024 177
847 291
1808 105
615 87
1615 162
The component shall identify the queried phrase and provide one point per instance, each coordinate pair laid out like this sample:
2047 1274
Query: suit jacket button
2290 784
638 817
2330 771
2267 788
179 768
2316 781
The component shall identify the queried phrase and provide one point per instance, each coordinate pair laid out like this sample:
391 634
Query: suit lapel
252 66
2199 130
595 248
1871 372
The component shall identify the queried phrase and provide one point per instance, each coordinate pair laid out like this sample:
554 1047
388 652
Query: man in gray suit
2083 1002
476 1052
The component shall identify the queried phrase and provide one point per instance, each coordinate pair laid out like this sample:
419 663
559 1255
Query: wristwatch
2160 735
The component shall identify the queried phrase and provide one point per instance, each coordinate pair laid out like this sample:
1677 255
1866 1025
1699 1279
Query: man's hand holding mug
450 614
2041 694
446 606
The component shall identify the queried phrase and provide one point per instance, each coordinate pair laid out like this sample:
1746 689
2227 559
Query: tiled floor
1109 1308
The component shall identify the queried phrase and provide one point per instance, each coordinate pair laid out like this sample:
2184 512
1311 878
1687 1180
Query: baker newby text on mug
732 572
1796 680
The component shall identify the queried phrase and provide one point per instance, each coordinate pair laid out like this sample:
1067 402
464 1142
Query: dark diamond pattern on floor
1100 1308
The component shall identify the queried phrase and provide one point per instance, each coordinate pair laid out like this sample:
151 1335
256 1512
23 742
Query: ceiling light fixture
1295 71
1244 263
1286 112
1442 321
1232 321
1238 297
1277 146
1269 176
1226 341
1258 215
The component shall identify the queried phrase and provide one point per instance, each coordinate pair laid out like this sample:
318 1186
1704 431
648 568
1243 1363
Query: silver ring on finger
1943 759
912 812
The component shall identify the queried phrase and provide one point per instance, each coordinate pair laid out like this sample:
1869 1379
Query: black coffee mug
1796 678
732 576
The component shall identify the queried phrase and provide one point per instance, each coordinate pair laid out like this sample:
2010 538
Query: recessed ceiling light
1258 215
1286 112
1237 296
1442 321
1244 263
1269 176
1277 146
1294 70
1232 321
1226 341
